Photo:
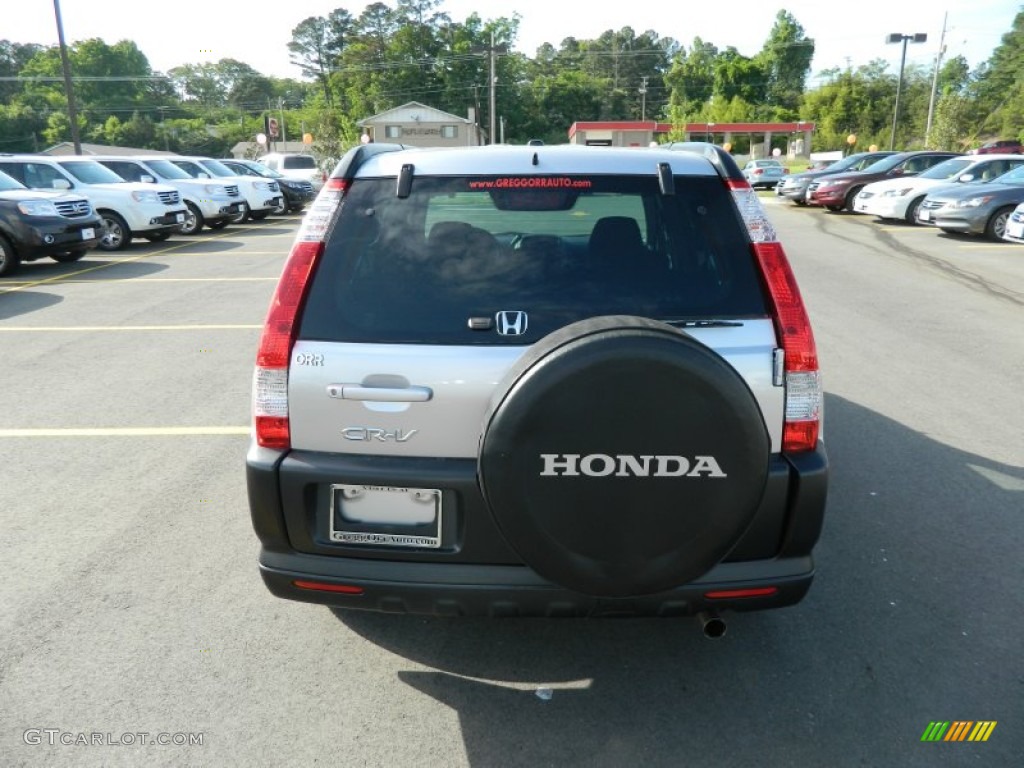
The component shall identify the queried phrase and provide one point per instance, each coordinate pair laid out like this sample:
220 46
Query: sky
257 33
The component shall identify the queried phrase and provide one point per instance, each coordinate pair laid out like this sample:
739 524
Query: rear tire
9 260
116 234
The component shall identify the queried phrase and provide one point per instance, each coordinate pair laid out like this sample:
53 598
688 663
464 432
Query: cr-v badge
511 323
369 434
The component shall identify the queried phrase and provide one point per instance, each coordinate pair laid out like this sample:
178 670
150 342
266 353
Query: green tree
786 62
13 58
317 43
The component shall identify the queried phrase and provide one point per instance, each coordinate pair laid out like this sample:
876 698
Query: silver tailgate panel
461 381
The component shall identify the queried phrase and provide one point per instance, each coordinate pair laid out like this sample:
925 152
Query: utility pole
66 65
280 109
935 83
492 52
643 99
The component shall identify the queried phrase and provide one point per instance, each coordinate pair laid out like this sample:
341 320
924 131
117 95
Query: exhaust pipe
711 624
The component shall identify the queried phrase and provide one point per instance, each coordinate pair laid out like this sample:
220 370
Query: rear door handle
411 394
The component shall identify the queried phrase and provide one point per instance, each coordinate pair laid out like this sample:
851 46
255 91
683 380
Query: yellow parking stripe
125 432
69 328
58 278
177 247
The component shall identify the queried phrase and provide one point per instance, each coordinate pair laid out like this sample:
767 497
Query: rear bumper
475 572
509 590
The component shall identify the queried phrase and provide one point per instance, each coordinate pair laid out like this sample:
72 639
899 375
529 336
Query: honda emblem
511 323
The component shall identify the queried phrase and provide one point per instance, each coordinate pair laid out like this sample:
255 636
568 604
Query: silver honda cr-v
538 380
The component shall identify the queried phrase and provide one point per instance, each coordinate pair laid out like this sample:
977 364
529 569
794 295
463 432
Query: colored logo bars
959 730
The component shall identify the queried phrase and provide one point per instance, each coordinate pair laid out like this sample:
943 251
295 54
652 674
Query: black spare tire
622 457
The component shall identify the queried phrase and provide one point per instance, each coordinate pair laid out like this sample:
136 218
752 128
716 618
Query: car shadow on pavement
914 616
22 302
16 298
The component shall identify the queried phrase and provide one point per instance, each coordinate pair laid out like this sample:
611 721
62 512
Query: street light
896 37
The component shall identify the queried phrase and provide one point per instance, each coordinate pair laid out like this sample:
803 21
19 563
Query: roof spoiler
355 157
722 160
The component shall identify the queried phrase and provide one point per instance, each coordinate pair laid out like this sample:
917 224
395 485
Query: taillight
802 379
270 381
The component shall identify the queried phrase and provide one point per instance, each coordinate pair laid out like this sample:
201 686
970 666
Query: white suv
297 165
128 209
538 381
206 202
262 196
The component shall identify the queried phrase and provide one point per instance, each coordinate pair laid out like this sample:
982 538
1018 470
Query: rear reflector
732 594
345 589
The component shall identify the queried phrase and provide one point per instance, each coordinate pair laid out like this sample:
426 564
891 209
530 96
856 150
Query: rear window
298 161
457 251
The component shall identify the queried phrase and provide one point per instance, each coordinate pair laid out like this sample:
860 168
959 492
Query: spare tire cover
622 457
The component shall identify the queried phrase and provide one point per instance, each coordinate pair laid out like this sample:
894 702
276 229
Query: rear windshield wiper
705 323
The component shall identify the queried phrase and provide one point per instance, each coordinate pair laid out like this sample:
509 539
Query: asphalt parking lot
131 606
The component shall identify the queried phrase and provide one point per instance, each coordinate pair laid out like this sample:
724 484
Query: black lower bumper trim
485 590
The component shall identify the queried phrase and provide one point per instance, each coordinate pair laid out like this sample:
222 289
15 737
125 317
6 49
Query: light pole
897 37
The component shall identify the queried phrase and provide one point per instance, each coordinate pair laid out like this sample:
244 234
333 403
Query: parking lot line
124 431
169 249
69 328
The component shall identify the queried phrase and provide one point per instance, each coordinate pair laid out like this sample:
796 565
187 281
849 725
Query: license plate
924 215
180 218
861 206
385 516
237 208
88 234
1015 229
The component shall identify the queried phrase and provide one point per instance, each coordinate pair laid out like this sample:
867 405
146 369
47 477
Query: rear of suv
296 165
537 381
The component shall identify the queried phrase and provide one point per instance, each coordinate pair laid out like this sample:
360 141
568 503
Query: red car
1011 146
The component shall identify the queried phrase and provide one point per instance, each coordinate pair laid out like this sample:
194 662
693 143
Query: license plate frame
385 516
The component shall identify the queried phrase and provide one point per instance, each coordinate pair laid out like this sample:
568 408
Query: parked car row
970 194
115 199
